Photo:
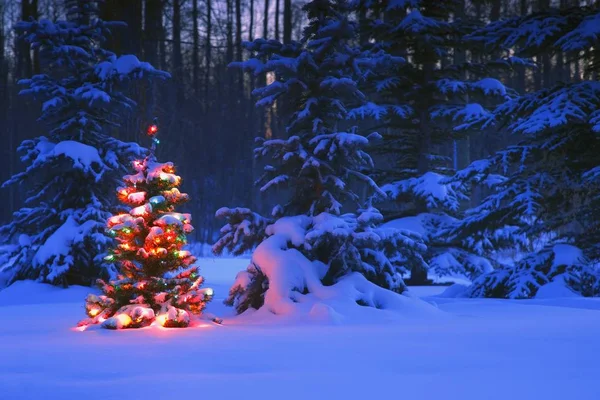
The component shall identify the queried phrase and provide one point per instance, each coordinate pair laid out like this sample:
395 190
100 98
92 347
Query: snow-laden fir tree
70 172
309 241
157 279
552 174
424 95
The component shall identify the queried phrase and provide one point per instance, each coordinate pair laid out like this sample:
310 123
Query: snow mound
454 291
566 254
558 288
294 287
31 292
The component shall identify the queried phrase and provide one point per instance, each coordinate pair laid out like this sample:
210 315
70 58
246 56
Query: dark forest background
206 112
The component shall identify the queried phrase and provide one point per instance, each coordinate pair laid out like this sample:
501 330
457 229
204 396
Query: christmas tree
158 280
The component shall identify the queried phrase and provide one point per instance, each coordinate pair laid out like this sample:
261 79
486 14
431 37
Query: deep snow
475 349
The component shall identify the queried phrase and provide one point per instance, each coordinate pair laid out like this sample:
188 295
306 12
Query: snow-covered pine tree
157 279
424 95
310 241
70 172
552 181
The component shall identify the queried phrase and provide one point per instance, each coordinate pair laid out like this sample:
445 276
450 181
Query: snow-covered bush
523 280
285 278
334 246
70 173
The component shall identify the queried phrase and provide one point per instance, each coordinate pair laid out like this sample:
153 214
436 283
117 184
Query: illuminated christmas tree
157 279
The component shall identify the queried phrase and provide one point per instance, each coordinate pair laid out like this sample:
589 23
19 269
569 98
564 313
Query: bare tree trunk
287 21
5 98
177 56
195 49
238 47
495 11
152 30
546 57
462 147
251 25
208 52
229 39
177 61
266 20
238 30
24 60
277 19
124 40
521 76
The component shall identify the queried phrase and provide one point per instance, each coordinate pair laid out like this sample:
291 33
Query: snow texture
44 358
285 266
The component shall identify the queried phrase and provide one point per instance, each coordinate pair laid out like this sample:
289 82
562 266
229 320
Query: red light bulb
152 129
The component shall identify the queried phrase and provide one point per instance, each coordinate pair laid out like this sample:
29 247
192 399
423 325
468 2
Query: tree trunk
287 21
238 30
266 20
363 24
195 49
546 57
24 60
177 63
207 53
521 76
124 40
229 33
277 19
462 147
251 25
152 30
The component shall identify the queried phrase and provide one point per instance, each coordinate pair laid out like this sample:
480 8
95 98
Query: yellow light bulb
162 319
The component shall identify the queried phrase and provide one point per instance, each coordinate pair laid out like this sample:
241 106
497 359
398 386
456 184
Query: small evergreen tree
71 170
315 167
157 279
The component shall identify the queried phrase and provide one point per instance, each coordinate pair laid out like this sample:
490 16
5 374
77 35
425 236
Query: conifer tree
424 96
71 170
318 166
157 279
551 175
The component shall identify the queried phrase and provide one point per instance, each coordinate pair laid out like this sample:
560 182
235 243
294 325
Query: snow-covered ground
474 349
